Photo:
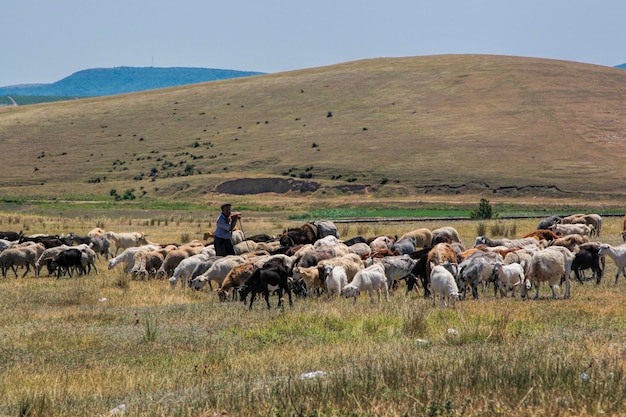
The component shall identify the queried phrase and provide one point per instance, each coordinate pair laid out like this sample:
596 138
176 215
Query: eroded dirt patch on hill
245 186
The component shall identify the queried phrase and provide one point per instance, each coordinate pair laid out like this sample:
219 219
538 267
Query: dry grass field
436 134
86 345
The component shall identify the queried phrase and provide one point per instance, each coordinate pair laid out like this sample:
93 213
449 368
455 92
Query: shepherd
225 224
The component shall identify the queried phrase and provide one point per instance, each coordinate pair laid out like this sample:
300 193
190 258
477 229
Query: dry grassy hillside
415 126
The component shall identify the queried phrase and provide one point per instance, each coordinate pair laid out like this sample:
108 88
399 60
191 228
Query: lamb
442 282
309 275
351 264
336 279
508 277
617 253
370 279
570 241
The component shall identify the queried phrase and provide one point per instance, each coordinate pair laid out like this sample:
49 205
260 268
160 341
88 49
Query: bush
483 211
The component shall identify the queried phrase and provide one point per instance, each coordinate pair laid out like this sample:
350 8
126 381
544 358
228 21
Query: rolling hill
108 81
390 128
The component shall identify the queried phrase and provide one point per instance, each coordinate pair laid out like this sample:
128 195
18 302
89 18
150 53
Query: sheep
477 269
508 277
370 279
171 261
97 231
309 275
146 263
217 272
127 240
128 257
588 257
446 234
186 267
336 279
442 282
360 248
520 256
570 241
47 256
381 242
546 265
618 254
19 256
396 267
329 240
509 243
421 237
235 278
570 229
351 263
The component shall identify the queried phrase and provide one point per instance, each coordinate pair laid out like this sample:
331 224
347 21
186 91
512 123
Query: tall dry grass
85 345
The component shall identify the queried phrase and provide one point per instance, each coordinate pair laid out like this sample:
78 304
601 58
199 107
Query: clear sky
43 41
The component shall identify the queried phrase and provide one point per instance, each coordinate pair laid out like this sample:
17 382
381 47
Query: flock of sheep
315 262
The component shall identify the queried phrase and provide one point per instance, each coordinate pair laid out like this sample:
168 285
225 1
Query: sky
44 41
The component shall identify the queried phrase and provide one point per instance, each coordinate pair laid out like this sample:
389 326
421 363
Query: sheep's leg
371 292
617 275
536 290
27 270
16 274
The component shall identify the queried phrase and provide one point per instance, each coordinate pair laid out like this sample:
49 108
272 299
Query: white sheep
128 257
618 254
186 267
442 282
336 279
370 279
508 277
127 240
217 272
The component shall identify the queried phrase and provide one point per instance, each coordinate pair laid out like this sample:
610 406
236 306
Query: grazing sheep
617 253
47 256
508 277
217 272
186 267
171 261
309 275
442 282
147 264
547 265
96 231
370 279
128 257
236 278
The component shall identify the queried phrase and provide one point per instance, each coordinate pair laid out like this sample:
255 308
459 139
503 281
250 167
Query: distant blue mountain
108 81
621 66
